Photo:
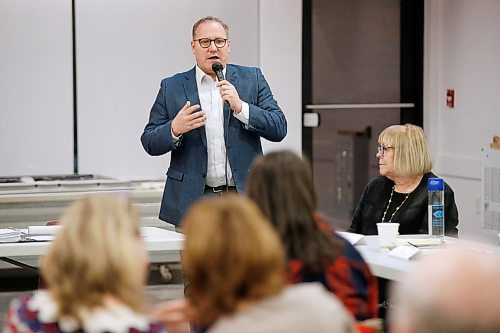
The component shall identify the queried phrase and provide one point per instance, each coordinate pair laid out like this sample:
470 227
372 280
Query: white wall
461 53
36 88
124 48
280 57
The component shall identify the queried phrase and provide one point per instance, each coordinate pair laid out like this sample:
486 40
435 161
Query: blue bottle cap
435 184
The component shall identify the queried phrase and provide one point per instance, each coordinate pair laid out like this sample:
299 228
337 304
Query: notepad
43 233
48 230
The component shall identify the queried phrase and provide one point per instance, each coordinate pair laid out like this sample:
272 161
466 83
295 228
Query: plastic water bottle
435 187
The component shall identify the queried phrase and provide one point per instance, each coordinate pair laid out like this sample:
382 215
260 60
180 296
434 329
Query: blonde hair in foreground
231 254
97 253
411 149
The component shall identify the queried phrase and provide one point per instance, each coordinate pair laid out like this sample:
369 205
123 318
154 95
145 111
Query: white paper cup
387 233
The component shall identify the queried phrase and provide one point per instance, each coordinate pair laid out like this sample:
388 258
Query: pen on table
412 244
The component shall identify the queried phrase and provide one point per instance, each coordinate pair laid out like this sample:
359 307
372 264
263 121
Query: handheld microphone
217 67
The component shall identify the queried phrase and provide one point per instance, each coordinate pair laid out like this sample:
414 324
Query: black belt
222 188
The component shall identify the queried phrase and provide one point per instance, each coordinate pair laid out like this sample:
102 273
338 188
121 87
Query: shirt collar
200 74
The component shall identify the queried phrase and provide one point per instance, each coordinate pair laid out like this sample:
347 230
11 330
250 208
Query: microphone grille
217 66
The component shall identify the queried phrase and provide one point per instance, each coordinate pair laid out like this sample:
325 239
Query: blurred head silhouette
231 256
98 254
453 292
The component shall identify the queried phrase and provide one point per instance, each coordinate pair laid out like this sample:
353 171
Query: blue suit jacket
188 163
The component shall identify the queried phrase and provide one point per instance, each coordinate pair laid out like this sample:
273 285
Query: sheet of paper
420 242
404 252
42 238
354 239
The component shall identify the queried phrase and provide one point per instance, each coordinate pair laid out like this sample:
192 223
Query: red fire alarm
450 98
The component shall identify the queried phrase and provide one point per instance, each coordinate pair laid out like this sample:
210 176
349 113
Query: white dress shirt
218 168
211 102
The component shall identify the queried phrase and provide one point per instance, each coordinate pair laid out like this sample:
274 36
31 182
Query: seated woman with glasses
399 194
235 263
95 270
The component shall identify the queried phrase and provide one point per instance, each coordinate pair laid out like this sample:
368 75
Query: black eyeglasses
218 42
381 149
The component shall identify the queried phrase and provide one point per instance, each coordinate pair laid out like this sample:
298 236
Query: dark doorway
362 65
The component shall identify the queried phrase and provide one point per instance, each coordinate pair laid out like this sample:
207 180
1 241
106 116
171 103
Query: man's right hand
187 119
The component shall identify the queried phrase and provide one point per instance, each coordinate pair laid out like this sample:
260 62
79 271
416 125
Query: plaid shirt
348 277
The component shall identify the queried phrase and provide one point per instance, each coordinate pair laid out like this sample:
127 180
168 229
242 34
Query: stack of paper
9 235
48 230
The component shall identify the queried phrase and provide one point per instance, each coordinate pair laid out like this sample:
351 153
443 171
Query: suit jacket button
204 175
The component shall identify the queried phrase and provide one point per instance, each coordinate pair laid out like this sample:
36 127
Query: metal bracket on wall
311 119
361 106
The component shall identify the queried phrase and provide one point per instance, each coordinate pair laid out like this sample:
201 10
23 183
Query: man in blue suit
212 128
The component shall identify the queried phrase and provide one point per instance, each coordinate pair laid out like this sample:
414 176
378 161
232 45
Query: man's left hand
230 95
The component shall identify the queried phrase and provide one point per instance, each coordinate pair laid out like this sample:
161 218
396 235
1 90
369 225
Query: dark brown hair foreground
231 255
281 183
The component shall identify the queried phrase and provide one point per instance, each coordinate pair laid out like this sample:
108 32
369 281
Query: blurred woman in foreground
281 184
236 268
95 270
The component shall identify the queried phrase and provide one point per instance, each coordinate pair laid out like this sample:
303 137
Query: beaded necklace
397 208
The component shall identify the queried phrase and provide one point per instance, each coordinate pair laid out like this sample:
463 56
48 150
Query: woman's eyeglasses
381 149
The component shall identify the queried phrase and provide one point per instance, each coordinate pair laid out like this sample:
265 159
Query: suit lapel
191 90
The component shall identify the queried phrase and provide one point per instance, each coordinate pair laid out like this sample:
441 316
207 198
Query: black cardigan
412 216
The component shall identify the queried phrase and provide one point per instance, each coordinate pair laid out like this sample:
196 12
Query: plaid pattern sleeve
18 316
348 277
24 318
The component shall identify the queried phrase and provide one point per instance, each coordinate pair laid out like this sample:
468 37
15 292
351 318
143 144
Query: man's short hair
210 19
